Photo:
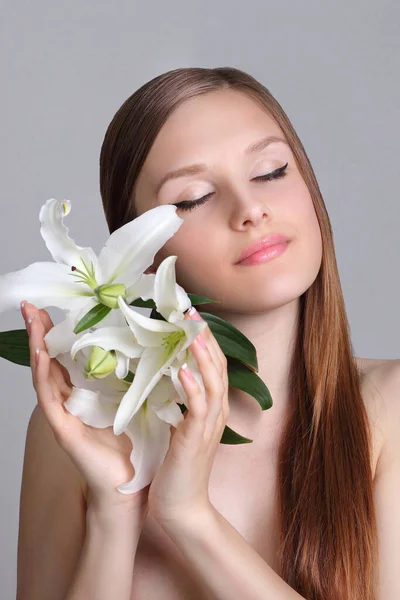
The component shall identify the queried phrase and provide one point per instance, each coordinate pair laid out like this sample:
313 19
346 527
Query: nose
247 208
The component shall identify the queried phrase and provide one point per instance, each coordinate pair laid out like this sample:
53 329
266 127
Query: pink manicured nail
187 371
193 314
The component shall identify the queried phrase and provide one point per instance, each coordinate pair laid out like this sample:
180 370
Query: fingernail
28 324
193 314
187 371
23 304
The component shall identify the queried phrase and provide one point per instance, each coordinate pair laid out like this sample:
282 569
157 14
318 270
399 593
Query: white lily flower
96 403
79 280
162 340
158 344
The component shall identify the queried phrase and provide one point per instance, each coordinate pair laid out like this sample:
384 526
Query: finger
46 319
208 336
200 425
37 330
213 383
196 415
48 324
216 353
207 367
34 332
48 399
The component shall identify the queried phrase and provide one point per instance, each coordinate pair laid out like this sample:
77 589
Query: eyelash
188 205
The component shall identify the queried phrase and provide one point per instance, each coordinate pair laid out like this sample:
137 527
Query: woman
301 511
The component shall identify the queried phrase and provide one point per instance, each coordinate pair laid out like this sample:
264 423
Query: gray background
66 67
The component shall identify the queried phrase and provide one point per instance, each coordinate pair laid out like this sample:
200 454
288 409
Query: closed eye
190 204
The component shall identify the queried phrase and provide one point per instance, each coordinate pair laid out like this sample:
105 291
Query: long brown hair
328 535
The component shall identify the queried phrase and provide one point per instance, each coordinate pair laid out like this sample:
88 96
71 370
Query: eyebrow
201 167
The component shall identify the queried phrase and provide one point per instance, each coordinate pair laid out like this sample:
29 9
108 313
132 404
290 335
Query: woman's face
215 129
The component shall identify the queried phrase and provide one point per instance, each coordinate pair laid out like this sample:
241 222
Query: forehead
208 119
206 128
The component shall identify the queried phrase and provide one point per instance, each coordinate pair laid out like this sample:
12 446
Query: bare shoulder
52 515
383 378
381 393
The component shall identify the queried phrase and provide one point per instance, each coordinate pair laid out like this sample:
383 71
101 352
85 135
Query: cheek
197 264
308 240
299 213
310 231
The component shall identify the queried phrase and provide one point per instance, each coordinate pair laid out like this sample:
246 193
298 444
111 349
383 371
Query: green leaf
231 437
195 300
233 342
228 436
156 315
130 377
242 378
95 314
14 346
143 303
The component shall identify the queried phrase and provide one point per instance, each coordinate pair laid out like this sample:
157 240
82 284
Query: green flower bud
108 293
100 364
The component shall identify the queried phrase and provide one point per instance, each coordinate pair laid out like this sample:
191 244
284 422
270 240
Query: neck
273 334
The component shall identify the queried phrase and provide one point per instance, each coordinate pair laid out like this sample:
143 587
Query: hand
180 485
101 457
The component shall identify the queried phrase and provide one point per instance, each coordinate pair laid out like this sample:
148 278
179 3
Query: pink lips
274 239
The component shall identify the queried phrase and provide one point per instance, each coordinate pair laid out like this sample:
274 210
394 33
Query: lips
264 242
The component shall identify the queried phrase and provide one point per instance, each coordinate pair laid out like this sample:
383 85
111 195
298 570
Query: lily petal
142 288
110 338
131 249
170 304
150 437
85 405
55 234
161 400
148 374
122 369
191 329
61 337
184 302
169 412
148 331
43 284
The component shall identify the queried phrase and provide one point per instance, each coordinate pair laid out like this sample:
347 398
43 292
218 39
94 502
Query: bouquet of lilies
124 365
